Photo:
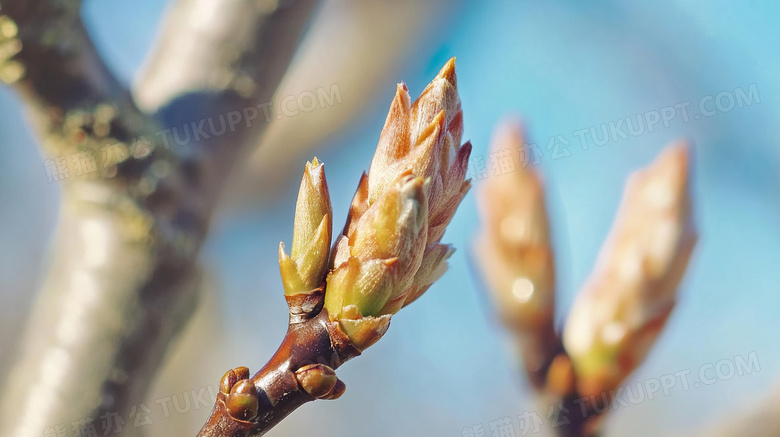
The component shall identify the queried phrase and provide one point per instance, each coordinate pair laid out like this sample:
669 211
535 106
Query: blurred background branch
622 307
124 277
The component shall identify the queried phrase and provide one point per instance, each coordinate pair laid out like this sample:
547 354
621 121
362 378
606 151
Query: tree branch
124 275
52 63
219 46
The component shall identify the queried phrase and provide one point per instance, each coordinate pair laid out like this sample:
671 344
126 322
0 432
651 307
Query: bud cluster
389 252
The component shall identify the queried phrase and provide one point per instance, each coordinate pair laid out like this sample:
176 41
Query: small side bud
242 402
317 380
231 377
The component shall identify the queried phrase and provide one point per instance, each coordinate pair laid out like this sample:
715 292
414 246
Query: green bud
385 251
305 269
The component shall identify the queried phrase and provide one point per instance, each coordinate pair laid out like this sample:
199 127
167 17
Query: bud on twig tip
416 181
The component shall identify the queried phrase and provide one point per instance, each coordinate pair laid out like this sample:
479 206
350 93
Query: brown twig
312 343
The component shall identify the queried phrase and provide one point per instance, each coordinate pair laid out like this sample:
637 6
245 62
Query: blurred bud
560 376
626 301
514 250
305 269
389 251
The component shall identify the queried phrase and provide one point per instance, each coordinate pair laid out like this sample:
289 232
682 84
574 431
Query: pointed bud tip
316 170
391 261
440 117
671 165
402 94
677 152
465 149
448 72
450 250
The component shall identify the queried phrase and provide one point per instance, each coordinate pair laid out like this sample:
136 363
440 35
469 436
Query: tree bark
124 270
